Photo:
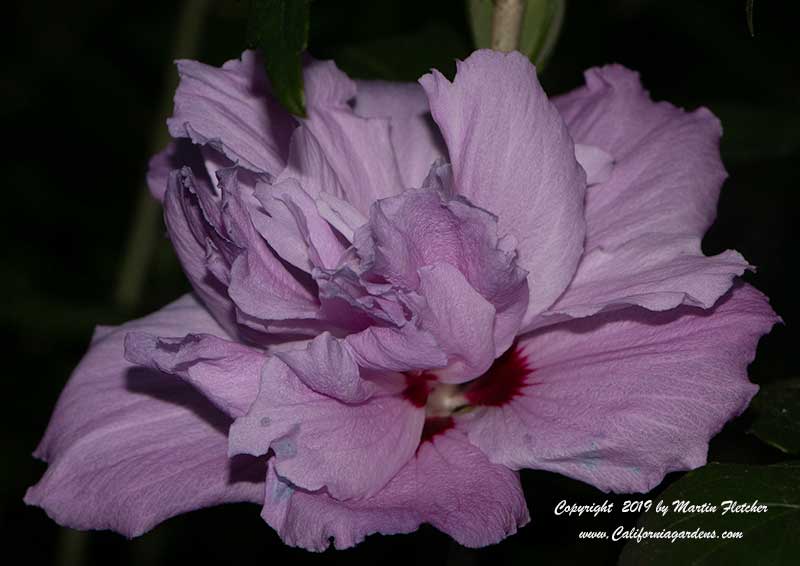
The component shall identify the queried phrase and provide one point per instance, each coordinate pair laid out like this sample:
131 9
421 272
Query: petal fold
320 442
129 447
645 222
618 400
448 484
512 155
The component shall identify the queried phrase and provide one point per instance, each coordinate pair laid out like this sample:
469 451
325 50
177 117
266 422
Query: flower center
504 381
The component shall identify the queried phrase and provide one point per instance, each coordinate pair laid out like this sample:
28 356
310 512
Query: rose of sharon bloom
405 298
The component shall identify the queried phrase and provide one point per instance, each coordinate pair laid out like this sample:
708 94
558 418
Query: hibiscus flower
405 298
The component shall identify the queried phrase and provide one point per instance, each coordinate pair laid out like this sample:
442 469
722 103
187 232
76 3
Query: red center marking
417 388
435 426
503 382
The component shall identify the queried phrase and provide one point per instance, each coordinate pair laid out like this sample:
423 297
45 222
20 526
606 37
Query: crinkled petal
416 139
424 227
448 484
260 285
512 155
231 109
321 442
620 399
130 447
189 234
644 224
227 373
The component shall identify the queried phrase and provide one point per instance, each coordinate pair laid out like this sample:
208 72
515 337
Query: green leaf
768 537
541 25
280 29
777 415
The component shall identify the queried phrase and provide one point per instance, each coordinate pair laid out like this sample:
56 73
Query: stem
507 24
144 232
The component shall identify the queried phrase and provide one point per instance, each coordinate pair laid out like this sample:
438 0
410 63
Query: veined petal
416 139
320 442
620 399
512 155
358 150
130 447
644 223
448 483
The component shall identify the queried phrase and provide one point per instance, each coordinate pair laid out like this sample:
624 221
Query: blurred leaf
541 25
402 57
777 415
749 9
767 538
280 29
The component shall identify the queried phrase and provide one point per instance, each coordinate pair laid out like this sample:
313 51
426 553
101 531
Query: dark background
83 91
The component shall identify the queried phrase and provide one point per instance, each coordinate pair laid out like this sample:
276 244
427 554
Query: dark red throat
418 388
503 382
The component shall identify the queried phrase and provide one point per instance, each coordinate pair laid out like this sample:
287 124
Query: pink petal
227 373
511 154
321 442
403 349
449 484
327 366
294 227
130 447
416 139
231 110
309 166
461 320
188 231
259 285
357 149
424 227
597 163
645 223
620 399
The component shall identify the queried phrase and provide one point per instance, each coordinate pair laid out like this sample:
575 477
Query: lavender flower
393 315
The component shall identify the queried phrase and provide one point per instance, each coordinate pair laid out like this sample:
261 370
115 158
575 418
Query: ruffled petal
644 224
416 139
227 373
231 109
352 450
618 400
260 285
294 227
448 484
512 155
189 235
130 447
423 228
